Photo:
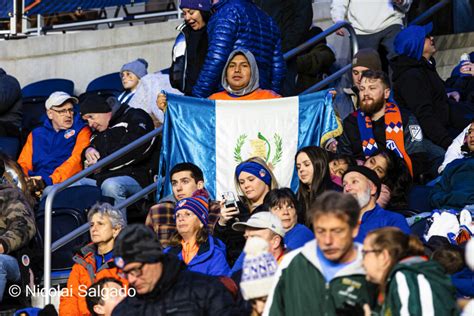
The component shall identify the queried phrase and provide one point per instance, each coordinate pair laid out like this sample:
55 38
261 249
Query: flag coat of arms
218 135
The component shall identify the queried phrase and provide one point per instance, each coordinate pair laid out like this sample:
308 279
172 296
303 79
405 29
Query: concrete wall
84 56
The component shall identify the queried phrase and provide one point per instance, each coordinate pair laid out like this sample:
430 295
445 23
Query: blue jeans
9 271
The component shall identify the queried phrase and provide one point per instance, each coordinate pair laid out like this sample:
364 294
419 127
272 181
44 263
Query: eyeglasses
365 252
64 112
135 272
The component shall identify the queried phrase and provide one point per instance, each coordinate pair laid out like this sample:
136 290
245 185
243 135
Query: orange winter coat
258 94
83 275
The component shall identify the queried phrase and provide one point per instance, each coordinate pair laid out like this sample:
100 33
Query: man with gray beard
364 185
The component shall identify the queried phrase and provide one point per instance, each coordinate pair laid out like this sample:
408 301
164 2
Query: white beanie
258 270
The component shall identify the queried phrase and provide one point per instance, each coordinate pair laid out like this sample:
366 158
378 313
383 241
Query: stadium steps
450 48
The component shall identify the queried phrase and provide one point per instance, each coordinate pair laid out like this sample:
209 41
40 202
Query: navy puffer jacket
241 24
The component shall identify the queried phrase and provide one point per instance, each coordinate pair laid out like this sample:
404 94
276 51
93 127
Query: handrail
428 13
63 185
85 227
312 41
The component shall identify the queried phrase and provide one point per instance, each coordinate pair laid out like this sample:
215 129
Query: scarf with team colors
393 133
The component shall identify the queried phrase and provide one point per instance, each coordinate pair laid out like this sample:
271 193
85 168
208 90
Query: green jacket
418 287
301 289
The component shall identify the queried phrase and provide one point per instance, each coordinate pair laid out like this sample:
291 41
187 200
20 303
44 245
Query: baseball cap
59 97
262 220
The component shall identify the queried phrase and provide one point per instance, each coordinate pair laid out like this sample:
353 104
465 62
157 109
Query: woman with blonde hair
253 179
410 283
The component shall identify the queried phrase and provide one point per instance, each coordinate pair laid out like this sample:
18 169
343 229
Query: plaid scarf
393 133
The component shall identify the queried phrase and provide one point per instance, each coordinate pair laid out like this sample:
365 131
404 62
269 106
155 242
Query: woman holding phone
253 180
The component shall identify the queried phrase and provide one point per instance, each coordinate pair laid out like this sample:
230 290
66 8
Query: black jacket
418 87
126 125
180 292
10 103
185 69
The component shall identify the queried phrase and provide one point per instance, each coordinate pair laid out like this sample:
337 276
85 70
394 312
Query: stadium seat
110 84
44 88
10 146
78 197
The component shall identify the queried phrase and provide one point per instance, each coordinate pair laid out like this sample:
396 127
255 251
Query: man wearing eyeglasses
52 152
163 284
325 276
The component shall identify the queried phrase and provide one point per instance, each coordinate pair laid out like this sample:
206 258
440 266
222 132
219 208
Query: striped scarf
393 133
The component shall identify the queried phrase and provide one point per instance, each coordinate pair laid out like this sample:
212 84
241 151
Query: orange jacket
258 94
67 169
73 303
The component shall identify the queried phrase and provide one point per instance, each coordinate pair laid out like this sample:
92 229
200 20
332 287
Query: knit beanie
198 205
201 5
255 169
367 57
258 270
137 243
369 174
94 104
138 67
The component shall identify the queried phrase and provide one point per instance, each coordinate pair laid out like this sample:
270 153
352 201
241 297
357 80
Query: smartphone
229 199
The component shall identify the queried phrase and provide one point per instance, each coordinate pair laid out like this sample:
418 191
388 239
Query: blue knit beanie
255 169
411 40
201 5
138 67
198 205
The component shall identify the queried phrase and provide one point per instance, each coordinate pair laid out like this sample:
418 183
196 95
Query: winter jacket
258 94
455 189
418 287
180 292
294 19
55 155
369 17
378 218
189 52
126 125
210 259
314 63
10 102
17 220
241 24
418 87
350 141
297 237
84 273
301 289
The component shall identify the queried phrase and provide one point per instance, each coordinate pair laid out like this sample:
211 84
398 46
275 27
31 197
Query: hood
254 76
400 64
77 123
411 40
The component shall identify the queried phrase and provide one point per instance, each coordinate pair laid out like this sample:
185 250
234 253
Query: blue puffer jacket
209 260
241 24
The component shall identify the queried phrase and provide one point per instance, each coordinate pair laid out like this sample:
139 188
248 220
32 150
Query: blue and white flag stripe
217 135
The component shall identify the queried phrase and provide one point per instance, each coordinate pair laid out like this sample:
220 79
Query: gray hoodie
254 76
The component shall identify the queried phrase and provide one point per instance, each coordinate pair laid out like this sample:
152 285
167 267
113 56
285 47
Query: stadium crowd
344 243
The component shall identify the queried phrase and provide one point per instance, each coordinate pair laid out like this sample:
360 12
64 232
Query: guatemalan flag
217 135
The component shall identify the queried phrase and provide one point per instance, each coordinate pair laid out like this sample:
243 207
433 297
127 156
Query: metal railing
81 230
428 13
316 39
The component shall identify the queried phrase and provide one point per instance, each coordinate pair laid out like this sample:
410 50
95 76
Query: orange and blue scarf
393 133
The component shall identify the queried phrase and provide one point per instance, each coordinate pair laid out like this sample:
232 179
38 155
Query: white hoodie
369 16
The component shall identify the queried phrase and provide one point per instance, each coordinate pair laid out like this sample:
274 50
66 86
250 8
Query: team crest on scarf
261 147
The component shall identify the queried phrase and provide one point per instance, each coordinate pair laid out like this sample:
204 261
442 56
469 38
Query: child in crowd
131 73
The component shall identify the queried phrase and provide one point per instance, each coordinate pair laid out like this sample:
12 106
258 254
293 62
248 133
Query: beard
372 106
363 198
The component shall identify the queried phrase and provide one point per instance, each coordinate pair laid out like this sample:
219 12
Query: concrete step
450 48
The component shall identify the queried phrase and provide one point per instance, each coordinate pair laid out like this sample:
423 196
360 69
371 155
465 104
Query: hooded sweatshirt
418 87
252 91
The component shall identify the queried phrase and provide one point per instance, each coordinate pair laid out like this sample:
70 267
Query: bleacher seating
10 146
106 85
44 88
33 7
